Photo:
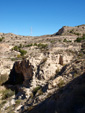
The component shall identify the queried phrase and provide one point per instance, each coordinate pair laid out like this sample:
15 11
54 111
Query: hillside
66 30
36 73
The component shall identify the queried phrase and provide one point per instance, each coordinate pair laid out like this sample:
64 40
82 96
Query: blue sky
42 16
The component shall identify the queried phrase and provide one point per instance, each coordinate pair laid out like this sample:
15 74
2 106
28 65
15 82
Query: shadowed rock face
61 60
21 73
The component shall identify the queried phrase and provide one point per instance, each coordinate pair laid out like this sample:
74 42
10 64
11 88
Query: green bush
18 48
79 39
64 40
42 46
22 52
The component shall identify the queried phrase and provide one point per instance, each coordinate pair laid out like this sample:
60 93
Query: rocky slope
35 68
66 30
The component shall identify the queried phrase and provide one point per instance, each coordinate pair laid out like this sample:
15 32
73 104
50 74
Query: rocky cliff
21 73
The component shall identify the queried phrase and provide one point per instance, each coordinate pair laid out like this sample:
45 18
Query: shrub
18 102
7 93
1 39
65 40
20 46
36 89
72 31
79 39
61 83
77 34
39 92
22 52
29 45
52 41
57 71
18 56
75 74
42 46
35 44
16 48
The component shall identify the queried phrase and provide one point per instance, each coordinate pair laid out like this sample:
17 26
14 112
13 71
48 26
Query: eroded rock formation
21 73
61 60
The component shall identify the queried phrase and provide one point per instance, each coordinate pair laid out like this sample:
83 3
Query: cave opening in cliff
15 78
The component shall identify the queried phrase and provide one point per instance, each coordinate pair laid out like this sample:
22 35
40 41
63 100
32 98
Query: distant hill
66 30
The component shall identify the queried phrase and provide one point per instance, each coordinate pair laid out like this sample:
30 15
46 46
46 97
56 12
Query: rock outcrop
21 73
66 30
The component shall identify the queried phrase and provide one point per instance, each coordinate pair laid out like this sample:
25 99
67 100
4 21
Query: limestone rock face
21 73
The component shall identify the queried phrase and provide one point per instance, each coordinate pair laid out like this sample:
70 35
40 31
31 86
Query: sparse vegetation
39 92
29 45
57 71
1 39
75 74
36 89
18 102
22 52
77 34
18 48
72 31
7 93
42 46
52 41
61 83
79 39
2 104
65 40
